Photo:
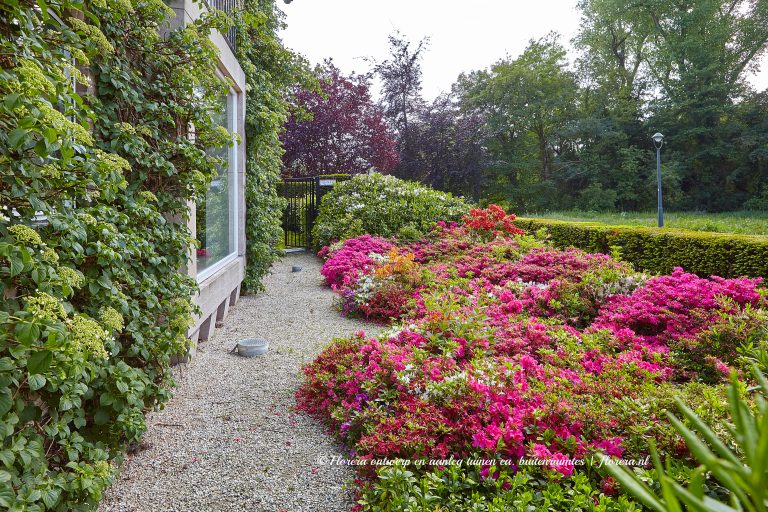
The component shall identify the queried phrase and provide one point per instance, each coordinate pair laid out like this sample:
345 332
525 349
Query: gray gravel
230 439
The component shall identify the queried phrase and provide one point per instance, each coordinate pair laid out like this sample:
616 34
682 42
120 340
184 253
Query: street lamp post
658 141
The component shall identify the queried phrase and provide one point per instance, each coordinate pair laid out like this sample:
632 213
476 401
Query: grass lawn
746 223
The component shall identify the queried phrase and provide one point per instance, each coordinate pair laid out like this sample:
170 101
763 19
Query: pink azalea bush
509 349
676 306
347 261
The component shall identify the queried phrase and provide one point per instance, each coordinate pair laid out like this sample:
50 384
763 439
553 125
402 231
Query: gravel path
230 440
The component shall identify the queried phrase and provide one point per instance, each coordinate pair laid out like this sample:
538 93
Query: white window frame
232 170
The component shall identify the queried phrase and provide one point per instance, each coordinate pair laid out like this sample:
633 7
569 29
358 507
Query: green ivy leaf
27 333
5 402
36 381
17 264
51 496
11 101
41 148
105 282
30 413
6 457
101 416
7 496
6 363
39 361
16 138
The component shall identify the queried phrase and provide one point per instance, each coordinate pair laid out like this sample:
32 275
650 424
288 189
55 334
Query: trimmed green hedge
336 176
660 250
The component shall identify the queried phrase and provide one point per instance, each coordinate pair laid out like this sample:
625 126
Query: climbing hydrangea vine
97 169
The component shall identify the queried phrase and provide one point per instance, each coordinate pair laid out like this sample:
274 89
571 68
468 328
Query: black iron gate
300 211
303 196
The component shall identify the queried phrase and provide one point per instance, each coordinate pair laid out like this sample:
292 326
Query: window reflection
216 211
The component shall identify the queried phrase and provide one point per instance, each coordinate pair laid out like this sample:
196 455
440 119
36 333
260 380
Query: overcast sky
463 36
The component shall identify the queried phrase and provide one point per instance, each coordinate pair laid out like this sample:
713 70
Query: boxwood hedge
662 249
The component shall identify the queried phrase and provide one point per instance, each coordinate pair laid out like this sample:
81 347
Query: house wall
221 289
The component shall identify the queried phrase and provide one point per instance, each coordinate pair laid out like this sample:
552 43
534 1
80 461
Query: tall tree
529 103
613 155
752 147
614 44
678 68
449 147
337 129
401 95
702 53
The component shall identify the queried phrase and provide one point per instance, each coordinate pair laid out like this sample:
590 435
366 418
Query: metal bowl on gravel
252 347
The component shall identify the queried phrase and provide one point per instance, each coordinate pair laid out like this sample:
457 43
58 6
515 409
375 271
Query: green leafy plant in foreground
742 470
463 489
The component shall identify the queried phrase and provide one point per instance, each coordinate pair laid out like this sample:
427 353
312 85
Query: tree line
542 131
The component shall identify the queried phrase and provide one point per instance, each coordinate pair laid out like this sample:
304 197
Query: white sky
464 36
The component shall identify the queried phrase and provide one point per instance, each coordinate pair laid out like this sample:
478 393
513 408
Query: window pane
215 211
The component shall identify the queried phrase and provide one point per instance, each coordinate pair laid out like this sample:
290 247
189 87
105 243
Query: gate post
315 209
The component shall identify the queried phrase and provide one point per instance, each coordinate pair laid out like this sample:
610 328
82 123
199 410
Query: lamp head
658 138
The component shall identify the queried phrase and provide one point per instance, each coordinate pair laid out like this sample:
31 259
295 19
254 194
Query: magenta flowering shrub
676 306
352 257
544 264
509 349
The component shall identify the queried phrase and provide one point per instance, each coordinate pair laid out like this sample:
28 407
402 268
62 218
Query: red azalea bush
508 349
492 221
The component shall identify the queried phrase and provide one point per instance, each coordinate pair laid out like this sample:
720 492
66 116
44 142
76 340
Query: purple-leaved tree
338 130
